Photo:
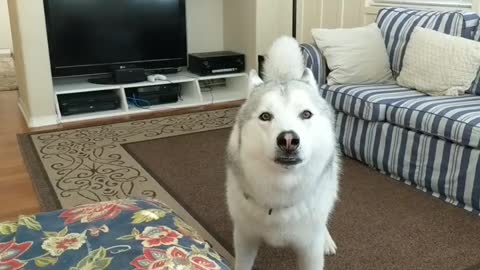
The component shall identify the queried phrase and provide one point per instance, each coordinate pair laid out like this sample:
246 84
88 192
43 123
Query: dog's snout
288 141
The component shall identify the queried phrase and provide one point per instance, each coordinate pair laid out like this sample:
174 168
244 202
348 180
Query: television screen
96 36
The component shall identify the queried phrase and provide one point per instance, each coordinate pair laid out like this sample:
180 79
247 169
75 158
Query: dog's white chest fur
281 222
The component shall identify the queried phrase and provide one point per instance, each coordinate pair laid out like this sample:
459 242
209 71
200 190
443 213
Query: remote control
156 77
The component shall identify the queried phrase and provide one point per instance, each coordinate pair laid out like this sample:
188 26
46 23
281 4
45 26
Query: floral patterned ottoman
124 234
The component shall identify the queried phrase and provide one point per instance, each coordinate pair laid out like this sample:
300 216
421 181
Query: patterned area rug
8 80
86 165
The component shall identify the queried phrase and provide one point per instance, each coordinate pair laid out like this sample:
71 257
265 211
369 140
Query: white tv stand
191 94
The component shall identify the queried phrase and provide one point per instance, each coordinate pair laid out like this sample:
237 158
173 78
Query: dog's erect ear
309 78
253 80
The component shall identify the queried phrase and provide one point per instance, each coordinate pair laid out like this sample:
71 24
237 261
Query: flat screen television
97 36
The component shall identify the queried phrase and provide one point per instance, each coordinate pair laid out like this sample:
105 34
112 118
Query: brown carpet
378 224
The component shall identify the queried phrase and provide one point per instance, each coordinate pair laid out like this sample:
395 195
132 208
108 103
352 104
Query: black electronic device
213 63
89 37
120 76
153 95
129 75
88 102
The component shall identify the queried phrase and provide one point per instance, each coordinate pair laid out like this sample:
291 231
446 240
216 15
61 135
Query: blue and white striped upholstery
367 102
397 25
452 118
446 170
476 84
472 20
315 61
475 89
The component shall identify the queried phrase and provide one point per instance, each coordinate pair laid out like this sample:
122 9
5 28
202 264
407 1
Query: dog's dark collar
270 210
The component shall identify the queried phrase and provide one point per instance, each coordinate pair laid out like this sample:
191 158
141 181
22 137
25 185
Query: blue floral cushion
124 234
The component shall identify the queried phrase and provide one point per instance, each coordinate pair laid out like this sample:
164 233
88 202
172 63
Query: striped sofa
432 143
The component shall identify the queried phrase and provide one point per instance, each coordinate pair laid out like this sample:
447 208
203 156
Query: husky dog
282 163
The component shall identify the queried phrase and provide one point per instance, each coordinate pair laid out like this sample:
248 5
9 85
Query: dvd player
88 102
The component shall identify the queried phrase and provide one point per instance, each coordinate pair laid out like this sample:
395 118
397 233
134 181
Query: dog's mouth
288 161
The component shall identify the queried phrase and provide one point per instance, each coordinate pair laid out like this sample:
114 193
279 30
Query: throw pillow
355 55
397 25
439 64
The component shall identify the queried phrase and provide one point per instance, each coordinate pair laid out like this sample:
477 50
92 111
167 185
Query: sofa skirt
444 169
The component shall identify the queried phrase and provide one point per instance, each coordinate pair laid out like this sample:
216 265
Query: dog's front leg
311 254
246 248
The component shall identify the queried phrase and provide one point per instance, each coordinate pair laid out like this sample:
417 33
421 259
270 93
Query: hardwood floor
17 196
16 192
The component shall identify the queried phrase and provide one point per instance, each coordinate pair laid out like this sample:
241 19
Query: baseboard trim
5 53
40 121
23 110
43 121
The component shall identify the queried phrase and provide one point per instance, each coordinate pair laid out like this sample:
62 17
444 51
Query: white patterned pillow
439 64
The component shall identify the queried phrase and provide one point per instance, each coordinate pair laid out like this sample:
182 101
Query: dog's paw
330 248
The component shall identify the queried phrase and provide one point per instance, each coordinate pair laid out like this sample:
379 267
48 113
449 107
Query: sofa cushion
438 64
118 234
472 21
354 55
368 102
455 119
477 34
397 25
476 84
475 89
315 61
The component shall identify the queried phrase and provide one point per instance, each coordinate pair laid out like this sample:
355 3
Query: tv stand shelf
191 94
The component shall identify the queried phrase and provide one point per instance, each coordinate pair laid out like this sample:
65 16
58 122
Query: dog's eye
306 115
266 116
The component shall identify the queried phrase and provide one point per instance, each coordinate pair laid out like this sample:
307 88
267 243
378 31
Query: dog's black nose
288 141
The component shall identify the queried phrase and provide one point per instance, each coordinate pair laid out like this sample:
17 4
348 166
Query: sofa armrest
315 61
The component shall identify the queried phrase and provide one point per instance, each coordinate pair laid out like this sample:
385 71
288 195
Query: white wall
250 26
476 6
5 33
274 19
204 25
239 32
330 14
